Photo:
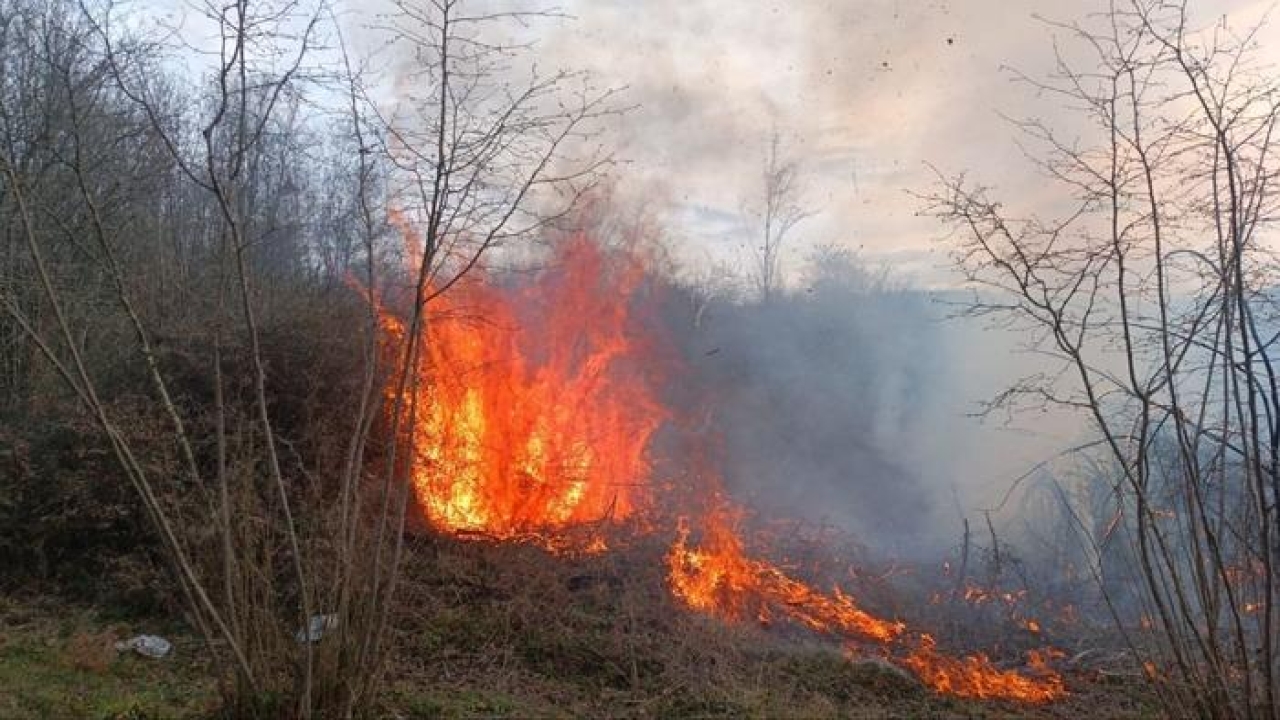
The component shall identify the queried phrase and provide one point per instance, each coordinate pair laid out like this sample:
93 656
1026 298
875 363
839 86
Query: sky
867 94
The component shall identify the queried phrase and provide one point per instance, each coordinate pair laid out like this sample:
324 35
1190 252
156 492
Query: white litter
152 646
317 627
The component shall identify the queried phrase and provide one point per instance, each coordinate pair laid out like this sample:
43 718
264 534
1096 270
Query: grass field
510 632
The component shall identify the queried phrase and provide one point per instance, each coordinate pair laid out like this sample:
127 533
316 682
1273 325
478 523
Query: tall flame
531 414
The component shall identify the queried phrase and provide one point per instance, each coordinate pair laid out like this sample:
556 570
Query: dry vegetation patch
511 630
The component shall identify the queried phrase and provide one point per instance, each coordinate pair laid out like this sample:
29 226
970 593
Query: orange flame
975 677
530 414
718 578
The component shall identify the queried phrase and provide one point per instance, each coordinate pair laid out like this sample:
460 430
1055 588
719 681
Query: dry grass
91 650
501 630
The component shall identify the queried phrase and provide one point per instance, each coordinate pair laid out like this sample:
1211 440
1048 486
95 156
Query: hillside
509 631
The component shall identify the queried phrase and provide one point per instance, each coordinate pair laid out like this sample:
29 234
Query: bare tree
83 128
485 151
781 209
1154 291
224 174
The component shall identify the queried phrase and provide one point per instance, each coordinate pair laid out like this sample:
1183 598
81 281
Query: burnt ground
509 631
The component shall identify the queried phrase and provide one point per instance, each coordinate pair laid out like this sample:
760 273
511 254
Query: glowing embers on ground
717 577
531 414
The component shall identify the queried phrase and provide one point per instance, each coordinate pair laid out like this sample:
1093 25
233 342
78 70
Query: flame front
718 578
975 677
530 414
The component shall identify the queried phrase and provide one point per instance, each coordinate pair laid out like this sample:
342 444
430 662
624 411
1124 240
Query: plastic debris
317 627
152 646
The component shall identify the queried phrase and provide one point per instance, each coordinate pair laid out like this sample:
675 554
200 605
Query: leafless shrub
1154 293
199 253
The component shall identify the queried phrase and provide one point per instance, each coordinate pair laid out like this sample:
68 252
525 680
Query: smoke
811 390
849 399
852 400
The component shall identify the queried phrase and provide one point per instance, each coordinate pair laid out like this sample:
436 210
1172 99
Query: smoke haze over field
866 95
852 402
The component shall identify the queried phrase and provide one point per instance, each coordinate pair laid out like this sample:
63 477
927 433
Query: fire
975 677
530 411
718 578
531 414
980 596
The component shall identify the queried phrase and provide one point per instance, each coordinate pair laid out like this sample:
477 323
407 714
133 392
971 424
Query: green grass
58 662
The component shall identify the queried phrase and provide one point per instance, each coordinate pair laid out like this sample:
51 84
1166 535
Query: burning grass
496 629
492 628
717 577
974 676
529 410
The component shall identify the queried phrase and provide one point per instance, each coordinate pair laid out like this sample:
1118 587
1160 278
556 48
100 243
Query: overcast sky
866 92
